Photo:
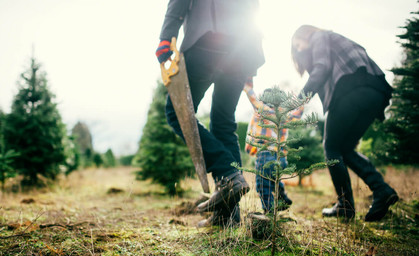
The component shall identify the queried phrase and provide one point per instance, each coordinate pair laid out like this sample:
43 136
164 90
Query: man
221 47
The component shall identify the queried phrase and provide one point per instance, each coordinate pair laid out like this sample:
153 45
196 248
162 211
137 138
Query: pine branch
274 163
264 148
294 124
282 154
295 150
265 138
294 140
255 144
268 126
318 166
256 172
270 117
289 170
311 119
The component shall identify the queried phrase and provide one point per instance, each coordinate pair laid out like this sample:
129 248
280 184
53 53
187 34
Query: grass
79 216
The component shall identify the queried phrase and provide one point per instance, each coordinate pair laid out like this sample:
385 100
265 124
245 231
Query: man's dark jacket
232 18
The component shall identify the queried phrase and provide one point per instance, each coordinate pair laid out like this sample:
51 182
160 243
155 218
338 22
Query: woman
354 93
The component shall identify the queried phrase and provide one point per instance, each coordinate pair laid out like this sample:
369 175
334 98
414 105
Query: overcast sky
99 54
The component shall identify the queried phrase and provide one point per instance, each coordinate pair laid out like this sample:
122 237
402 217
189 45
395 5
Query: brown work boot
228 192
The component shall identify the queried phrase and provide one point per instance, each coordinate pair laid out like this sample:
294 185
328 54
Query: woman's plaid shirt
256 130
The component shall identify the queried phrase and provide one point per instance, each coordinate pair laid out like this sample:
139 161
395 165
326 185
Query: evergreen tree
162 156
109 158
283 104
310 141
376 142
6 157
73 156
83 140
126 160
98 159
403 125
242 133
34 128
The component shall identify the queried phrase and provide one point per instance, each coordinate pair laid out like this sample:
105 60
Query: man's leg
227 91
201 64
226 95
223 127
217 157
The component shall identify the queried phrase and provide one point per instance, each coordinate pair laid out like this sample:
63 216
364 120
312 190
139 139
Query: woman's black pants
346 122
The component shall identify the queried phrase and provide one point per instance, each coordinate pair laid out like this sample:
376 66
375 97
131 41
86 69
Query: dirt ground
108 212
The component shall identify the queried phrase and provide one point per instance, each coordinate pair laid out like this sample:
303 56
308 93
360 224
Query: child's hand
249 82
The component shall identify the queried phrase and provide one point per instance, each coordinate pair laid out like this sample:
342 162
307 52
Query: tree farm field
108 212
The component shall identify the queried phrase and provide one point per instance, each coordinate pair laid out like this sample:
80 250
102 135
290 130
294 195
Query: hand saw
175 79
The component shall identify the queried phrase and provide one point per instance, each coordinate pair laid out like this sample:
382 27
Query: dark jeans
204 65
265 187
345 124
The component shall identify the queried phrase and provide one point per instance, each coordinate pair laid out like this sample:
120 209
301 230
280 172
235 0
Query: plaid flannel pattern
334 56
256 130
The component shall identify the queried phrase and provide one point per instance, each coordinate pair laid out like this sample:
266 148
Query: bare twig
67 226
23 233
290 177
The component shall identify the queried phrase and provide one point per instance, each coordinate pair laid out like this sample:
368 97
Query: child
265 187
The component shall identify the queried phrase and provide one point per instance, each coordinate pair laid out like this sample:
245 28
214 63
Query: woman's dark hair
303 33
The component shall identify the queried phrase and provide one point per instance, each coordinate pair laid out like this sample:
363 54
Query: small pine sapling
283 104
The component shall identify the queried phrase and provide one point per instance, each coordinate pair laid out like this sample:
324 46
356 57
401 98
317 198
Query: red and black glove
163 52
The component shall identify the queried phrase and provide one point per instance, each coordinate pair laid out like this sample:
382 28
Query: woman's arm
322 66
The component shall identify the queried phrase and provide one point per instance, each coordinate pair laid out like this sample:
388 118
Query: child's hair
267 90
304 33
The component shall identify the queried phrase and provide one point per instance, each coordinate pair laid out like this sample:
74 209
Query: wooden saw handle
173 69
